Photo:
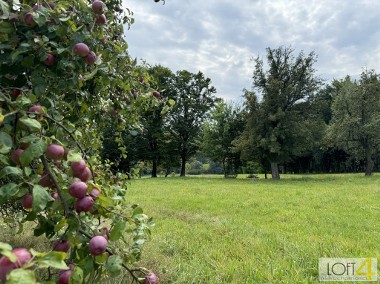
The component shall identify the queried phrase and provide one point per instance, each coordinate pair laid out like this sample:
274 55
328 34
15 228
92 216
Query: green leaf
77 276
73 156
105 201
171 102
8 190
4 8
6 27
5 143
10 171
117 230
101 258
91 75
34 151
39 19
41 197
39 89
60 225
114 265
137 211
28 61
16 5
21 276
6 250
55 259
32 124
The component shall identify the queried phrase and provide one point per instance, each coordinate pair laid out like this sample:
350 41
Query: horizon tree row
290 121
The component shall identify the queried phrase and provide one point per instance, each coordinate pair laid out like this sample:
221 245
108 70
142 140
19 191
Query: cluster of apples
98 8
97 246
81 49
29 21
84 51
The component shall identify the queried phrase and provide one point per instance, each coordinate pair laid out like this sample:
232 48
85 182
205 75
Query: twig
55 181
11 113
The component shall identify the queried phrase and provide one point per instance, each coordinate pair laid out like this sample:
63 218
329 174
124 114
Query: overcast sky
220 37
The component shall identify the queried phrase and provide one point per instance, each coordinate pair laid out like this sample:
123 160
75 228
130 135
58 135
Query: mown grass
215 230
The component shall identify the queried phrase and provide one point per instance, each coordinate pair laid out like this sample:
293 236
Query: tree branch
76 142
55 181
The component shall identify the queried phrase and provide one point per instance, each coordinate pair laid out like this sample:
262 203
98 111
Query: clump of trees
290 121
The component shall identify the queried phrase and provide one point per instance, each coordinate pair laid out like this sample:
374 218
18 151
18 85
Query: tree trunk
224 168
154 168
274 170
369 163
183 166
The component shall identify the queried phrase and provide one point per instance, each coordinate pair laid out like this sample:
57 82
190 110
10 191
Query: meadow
216 230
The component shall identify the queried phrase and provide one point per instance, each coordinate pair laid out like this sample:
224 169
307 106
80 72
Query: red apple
28 20
55 152
5 266
16 92
61 245
64 276
15 156
156 94
24 145
84 204
90 58
78 167
36 7
27 201
97 245
98 7
101 19
46 181
151 278
36 109
50 60
95 192
85 175
81 49
23 256
55 195
78 189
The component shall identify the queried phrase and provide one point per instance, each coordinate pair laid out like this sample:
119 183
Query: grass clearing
215 230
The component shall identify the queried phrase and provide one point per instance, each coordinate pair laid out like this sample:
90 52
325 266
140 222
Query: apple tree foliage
51 93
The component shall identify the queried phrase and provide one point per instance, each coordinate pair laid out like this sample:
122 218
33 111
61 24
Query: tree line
290 122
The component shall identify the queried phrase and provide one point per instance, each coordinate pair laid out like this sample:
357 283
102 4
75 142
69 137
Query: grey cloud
219 37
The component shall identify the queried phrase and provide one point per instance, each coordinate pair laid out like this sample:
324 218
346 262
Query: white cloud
219 37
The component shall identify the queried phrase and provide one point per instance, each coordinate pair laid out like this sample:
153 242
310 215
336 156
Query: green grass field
215 230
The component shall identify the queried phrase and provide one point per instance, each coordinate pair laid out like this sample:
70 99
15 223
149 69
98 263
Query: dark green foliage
193 95
278 126
226 123
355 126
